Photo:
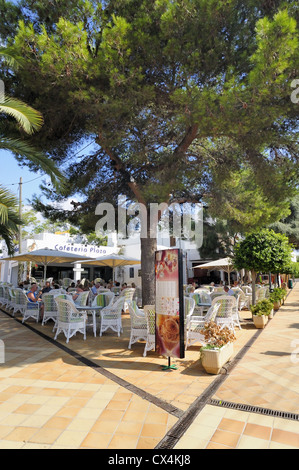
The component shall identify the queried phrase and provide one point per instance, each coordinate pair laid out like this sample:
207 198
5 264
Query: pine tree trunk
148 248
148 244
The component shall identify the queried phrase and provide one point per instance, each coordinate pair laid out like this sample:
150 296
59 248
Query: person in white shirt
94 289
228 291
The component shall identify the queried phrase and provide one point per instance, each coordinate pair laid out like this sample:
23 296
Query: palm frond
22 148
10 57
28 118
7 202
9 218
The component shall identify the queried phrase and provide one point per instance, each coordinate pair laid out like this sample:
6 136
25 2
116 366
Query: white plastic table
93 311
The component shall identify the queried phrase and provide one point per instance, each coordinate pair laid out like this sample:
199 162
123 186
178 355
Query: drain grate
254 409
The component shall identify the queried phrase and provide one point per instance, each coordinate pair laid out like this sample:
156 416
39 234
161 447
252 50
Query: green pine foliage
179 96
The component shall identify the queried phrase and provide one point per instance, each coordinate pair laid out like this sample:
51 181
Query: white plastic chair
28 309
149 311
189 306
12 298
82 298
243 301
128 295
195 324
57 297
1 294
227 314
137 297
138 324
201 296
66 282
104 299
111 316
50 307
261 293
69 319
6 297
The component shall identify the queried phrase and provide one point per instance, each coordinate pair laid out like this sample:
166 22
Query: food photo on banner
169 303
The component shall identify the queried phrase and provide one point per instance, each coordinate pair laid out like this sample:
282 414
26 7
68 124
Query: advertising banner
169 303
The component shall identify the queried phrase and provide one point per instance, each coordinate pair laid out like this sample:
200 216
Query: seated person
47 287
228 291
79 289
72 286
95 288
34 296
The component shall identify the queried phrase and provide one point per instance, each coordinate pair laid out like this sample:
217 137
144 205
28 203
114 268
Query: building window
131 273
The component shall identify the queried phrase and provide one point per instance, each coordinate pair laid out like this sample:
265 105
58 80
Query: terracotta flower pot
214 359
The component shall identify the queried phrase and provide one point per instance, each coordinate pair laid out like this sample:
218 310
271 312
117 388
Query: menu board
169 303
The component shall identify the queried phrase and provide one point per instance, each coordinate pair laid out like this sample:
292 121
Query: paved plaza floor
98 394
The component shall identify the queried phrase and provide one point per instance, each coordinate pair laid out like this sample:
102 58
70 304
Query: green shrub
263 307
278 294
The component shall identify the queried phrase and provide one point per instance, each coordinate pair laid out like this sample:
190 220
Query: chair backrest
82 299
63 297
58 291
189 305
22 297
218 294
201 289
103 300
240 292
227 305
6 293
66 282
115 290
49 302
150 315
116 308
218 289
247 289
261 293
134 312
12 293
201 297
67 312
128 293
137 294
212 312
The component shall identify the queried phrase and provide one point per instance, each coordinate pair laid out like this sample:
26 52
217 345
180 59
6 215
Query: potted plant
261 312
277 296
218 347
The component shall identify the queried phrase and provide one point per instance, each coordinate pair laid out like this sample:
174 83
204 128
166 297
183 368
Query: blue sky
10 176
11 172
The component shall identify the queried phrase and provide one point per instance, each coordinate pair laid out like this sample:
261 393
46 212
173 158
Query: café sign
86 250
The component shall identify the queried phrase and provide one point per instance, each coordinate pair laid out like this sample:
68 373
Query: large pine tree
173 93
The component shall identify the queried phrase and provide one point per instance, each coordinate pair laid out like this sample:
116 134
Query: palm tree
29 121
9 219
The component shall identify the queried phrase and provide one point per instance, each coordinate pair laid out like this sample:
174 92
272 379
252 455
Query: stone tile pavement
98 394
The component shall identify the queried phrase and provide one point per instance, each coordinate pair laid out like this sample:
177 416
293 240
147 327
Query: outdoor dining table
93 311
204 306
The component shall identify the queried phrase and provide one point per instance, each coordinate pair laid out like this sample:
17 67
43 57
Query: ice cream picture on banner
167 303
